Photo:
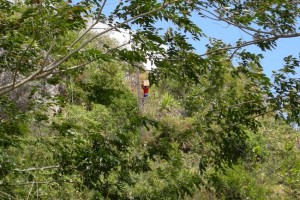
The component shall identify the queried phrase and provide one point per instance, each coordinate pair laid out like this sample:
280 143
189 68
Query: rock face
35 91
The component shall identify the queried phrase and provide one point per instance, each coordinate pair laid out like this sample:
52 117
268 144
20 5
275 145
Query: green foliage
263 173
201 129
12 127
27 36
167 102
101 144
238 183
286 98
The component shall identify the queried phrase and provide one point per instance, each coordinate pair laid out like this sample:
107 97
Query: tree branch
9 87
102 33
219 18
234 52
19 61
6 194
88 29
30 191
49 51
37 168
39 182
117 47
256 41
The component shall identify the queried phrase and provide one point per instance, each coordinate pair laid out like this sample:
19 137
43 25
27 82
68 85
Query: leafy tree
34 41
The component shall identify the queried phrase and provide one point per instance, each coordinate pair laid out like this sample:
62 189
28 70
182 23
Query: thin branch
49 51
37 168
9 87
19 61
30 191
39 182
5 89
244 28
6 194
117 47
89 62
256 41
245 102
234 52
219 18
102 33
88 29
248 43
47 72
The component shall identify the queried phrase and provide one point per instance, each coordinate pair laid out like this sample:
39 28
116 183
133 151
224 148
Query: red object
146 90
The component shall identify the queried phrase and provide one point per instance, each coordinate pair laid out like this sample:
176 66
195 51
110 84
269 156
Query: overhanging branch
37 168
93 24
42 73
252 42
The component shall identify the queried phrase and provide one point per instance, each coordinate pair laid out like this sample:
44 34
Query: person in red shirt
146 90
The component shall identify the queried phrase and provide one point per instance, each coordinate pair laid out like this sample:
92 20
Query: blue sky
273 60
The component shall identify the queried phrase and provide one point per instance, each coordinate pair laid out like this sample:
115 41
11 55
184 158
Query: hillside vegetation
72 125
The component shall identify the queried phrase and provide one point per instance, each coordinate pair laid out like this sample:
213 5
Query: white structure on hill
122 37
